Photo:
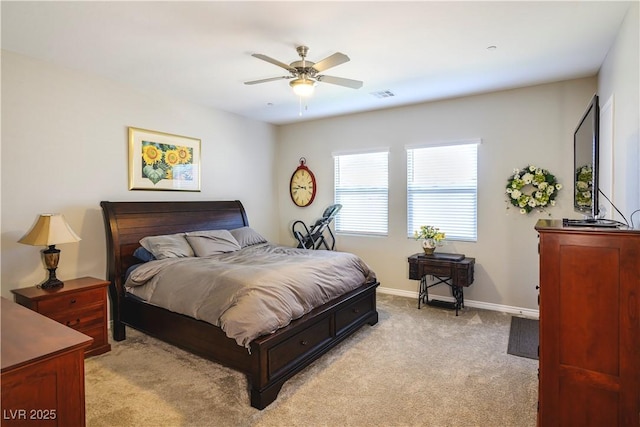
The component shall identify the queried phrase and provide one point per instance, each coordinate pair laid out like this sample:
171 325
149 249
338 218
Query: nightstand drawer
81 318
97 333
70 301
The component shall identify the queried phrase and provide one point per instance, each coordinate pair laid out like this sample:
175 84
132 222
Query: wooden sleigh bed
273 358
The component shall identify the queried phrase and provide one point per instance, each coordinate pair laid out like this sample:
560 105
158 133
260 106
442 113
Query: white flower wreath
543 189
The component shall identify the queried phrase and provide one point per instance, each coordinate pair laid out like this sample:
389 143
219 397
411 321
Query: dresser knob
72 323
73 301
356 310
304 342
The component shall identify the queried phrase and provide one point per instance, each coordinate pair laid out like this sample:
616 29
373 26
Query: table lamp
50 230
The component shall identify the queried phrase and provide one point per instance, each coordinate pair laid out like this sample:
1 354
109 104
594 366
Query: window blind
361 186
442 189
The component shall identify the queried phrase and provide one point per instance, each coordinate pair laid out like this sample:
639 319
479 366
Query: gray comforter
250 292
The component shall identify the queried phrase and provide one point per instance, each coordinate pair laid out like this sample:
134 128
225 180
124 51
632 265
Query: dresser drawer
71 301
299 345
83 317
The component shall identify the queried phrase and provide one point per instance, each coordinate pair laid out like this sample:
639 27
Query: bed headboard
128 222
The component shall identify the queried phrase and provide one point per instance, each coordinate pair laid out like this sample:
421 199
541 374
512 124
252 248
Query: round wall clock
302 186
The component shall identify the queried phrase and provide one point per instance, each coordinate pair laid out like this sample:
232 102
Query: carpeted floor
414 368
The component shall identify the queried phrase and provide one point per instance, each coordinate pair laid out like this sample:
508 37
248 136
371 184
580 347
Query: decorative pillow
247 236
212 242
167 246
143 255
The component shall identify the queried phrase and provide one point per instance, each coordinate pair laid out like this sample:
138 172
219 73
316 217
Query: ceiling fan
306 74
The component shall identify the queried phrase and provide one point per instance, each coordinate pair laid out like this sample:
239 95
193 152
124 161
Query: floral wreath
543 188
584 186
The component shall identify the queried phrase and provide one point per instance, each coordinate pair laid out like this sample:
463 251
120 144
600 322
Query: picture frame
163 161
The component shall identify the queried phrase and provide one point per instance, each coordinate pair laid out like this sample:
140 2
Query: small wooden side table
454 270
80 304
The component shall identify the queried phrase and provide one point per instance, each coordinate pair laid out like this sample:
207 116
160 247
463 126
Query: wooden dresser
80 304
589 326
42 370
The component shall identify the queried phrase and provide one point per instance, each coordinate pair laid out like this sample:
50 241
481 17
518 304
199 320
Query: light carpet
415 367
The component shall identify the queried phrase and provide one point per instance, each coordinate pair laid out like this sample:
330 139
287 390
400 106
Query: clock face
302 186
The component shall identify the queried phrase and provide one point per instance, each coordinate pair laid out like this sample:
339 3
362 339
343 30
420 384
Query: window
362 188
442 188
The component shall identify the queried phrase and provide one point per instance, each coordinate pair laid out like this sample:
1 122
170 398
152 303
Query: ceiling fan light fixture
303 87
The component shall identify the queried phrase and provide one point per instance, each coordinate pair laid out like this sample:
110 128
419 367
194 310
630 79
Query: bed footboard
288 351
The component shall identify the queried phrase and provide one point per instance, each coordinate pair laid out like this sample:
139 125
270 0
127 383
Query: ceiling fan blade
354 84
330 61
270 79
275 62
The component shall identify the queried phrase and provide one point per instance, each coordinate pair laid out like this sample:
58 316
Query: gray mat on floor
524 337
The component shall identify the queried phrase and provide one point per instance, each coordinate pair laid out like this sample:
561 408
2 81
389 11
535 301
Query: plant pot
429 246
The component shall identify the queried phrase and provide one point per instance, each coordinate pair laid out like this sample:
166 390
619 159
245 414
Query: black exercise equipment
314 237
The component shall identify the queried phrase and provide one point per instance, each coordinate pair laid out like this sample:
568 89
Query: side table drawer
81 318
463 275
70 301
414 271
420 269
97 333
435 270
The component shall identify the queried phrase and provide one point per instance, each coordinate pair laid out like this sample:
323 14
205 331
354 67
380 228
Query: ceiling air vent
383 94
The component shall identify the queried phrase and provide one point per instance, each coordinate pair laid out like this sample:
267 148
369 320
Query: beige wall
64 149
532 125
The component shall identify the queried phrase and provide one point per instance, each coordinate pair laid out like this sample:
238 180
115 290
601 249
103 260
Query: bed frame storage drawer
347 316
298 346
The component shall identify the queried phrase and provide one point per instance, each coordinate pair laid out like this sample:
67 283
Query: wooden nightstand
80 304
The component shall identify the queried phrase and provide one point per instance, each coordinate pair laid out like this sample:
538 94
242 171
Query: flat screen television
585 162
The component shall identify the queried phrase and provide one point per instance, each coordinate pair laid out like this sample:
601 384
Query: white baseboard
526 312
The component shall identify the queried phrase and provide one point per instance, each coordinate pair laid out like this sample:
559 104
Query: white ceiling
420 50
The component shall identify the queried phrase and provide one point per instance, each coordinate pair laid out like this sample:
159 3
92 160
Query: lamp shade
303 87
50 229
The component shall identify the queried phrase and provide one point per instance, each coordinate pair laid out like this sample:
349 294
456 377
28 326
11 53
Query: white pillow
167 246
247 236
212 242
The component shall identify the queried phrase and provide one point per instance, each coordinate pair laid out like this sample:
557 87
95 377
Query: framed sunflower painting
162 161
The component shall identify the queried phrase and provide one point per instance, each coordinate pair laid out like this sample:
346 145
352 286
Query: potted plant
431 237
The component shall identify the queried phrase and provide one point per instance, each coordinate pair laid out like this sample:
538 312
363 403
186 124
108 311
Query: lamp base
51 284
51 258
